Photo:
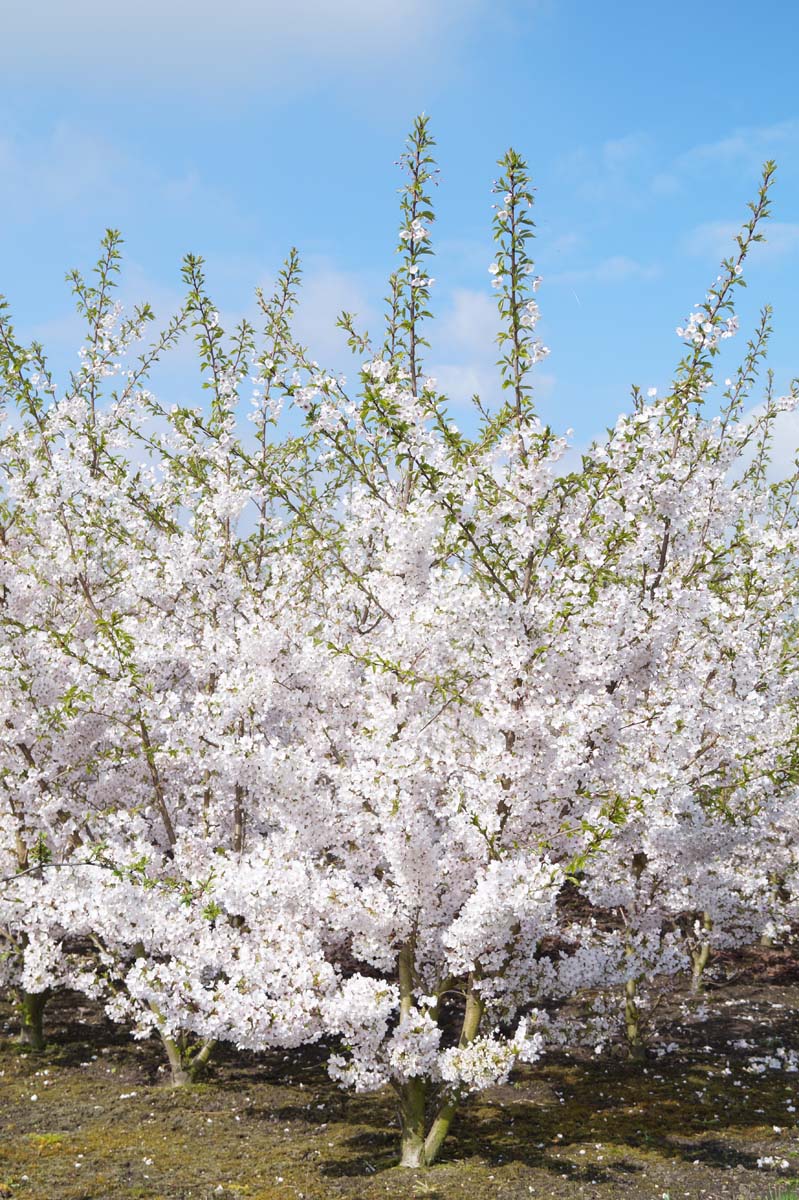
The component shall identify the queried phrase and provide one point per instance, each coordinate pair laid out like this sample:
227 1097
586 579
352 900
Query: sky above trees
236 131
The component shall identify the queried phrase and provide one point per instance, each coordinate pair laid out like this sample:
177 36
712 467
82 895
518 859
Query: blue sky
236 130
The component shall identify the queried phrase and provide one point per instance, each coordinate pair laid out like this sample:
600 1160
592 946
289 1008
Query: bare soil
91 1118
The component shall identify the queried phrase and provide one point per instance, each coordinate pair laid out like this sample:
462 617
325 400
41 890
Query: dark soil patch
691 1123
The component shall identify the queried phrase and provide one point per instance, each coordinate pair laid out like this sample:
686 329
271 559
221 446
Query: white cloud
69 169
717 239
465 349
618 153
470 323
665 184
711 239
459 382
628 170
565 243
610 173
748 145
781 238
784 444
250 44
468 255
325 292
618 268
57 170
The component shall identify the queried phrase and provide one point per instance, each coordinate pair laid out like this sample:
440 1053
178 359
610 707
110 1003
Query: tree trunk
413 1096
440 1128
31 1012
767 940
420 1146
186 1060
701 956
632 1022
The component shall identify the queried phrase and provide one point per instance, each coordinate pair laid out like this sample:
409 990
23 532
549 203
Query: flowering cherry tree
341 722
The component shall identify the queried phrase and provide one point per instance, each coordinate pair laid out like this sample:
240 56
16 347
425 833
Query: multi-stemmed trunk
426 1115
421 1145
187 1058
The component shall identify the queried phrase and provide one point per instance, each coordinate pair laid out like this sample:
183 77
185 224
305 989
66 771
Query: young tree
342 710
513 667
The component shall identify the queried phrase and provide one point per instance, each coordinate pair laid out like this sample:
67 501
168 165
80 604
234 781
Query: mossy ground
691 1123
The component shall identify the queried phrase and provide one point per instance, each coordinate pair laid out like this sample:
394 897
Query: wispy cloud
745 148
465 347
611 171
71 169
57 170
470 323
628 170
326 291
748 145
250 44
617 268
717 239
466 352
565 243
711 239
784 443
